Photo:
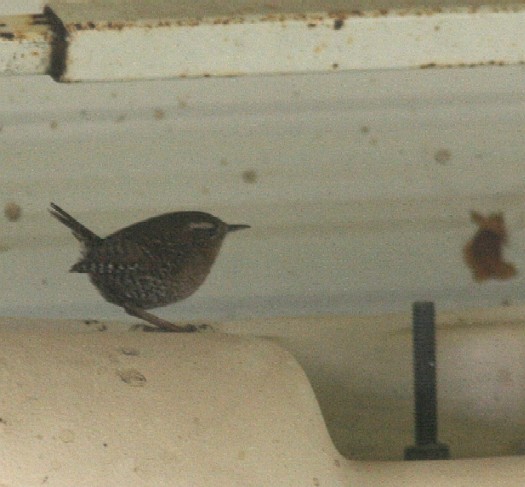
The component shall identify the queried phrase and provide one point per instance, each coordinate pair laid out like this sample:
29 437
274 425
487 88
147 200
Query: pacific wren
152 263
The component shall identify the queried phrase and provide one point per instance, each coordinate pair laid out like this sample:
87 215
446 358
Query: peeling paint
335 18
21 36
24 28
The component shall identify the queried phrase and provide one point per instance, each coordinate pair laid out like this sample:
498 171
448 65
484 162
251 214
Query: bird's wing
125 255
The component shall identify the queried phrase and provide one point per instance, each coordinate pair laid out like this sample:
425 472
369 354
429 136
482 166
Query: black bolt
425 389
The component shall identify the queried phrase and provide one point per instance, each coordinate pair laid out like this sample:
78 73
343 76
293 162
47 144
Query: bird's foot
161 325
180 329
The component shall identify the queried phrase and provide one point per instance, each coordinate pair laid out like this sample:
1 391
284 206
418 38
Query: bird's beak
234 228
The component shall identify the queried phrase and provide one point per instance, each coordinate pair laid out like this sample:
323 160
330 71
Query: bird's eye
204 229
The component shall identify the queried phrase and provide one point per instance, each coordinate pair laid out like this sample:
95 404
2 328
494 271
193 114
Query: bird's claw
183 329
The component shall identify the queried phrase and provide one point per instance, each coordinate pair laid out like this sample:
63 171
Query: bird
151 263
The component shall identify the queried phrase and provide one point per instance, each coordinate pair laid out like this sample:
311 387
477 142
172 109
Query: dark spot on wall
338 23
159 114
12 211
442 156
483 253
249 176
181 103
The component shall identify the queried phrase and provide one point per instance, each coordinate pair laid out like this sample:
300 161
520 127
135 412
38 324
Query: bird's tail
82 233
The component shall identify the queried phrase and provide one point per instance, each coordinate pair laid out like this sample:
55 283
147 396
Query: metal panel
358 185
148 40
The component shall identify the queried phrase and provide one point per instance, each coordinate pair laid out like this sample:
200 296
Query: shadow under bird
152 263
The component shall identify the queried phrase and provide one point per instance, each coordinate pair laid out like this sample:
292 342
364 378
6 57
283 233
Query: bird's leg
163 325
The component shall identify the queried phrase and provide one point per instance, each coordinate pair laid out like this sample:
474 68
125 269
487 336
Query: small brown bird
152 263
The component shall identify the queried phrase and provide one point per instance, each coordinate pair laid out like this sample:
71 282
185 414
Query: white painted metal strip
89 48
315 43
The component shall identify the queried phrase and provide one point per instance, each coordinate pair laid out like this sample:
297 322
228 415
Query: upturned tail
81 233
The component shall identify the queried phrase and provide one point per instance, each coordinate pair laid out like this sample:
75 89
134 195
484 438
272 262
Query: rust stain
320 48
273 18
312 20
228 20
119 26
483 253
469 65
115 25
188 23
79 26
26 28
339 17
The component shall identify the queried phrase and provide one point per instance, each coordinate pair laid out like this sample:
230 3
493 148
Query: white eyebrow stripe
202 225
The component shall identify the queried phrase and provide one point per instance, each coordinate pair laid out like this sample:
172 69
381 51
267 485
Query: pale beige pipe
485 472
117 408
